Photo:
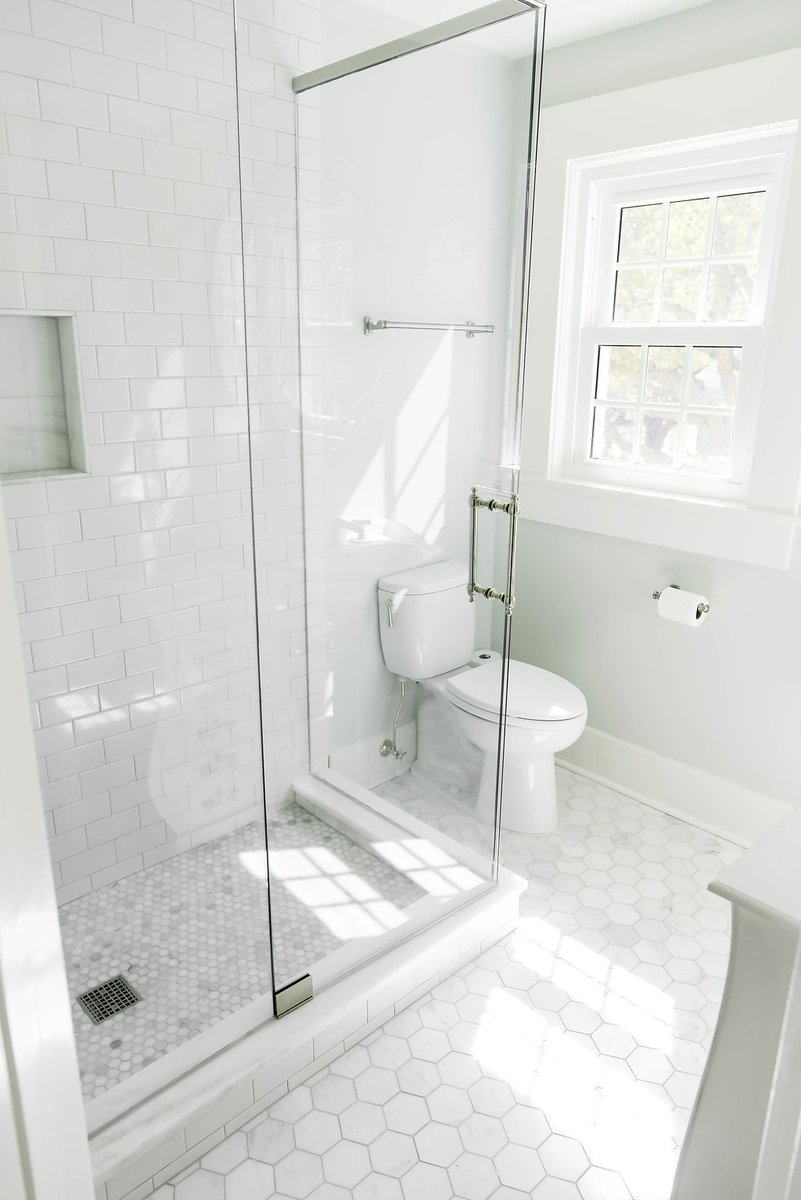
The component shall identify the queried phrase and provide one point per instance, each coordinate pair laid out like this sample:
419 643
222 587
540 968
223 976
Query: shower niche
41 418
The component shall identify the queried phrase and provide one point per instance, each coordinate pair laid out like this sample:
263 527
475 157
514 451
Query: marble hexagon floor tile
191 934
560 1065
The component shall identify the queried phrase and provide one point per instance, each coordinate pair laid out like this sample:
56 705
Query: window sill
712 528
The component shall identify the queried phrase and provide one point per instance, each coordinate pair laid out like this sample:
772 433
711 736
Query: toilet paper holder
702 608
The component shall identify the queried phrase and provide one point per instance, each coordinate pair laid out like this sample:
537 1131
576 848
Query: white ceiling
566 20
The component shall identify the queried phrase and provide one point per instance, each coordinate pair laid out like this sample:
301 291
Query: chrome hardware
702 608
290 997
511 508
468 328
390 613
390 745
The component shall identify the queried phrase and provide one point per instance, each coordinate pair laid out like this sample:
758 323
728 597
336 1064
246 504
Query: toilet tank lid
534 694
433 577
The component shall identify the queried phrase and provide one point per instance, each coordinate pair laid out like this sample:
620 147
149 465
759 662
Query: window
665 288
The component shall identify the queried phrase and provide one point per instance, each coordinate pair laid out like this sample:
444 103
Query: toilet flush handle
393 604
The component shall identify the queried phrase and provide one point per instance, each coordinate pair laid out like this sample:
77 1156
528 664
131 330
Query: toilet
427 627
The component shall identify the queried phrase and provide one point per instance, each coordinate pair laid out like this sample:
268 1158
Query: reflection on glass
664 374
681 293
714 375
659 438
634 294
619 373
730 291
738 223
687 228
640 233
707 442
613 433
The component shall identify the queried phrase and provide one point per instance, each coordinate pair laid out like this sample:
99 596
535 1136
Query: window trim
596 188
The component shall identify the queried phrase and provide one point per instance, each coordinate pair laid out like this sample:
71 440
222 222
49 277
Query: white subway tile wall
120 203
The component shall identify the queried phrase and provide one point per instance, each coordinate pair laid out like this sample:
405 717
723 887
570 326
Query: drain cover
108 998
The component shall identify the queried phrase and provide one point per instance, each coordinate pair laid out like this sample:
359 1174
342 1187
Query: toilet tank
433 623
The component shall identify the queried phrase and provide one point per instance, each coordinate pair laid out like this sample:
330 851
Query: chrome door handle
511 507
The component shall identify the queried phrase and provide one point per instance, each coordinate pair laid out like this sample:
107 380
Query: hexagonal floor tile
406 1114
424 1182
449 1105
563 1157
473 1178
346 1164
317 1132
249 1179
393 1153
438 1144
492 1097
298 1174
270 1140
201 1184
519 1167
363 1122
484 1135
377 1085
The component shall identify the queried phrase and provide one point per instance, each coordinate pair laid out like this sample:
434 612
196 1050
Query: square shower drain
108 998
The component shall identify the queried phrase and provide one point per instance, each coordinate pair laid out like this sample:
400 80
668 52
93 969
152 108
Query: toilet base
528 797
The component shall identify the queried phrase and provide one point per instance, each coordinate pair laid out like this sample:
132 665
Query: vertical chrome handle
511 508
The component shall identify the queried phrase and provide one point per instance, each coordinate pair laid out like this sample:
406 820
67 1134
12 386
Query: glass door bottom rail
191 933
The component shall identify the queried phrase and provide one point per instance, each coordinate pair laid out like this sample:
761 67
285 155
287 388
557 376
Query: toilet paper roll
687 608
480 657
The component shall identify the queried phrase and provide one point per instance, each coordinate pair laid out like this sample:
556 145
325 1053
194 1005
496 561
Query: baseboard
718 805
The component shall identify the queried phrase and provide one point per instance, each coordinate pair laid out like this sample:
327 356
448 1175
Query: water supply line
389 746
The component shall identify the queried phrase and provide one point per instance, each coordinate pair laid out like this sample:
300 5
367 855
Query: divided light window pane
688 260
669 407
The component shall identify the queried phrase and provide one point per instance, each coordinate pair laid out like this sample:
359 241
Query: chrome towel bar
468 328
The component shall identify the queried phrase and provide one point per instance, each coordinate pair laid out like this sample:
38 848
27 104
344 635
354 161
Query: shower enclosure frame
490 15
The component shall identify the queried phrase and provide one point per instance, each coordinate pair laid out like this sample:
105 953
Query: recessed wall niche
41 424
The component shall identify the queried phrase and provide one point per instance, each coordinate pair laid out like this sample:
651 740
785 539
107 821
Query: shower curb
169 1132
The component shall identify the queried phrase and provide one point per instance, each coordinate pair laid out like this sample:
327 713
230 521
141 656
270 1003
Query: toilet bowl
545 714
427 629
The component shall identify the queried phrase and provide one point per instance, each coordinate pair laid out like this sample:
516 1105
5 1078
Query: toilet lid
534 694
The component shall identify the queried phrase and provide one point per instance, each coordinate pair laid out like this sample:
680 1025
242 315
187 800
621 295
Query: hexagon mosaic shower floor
561 1065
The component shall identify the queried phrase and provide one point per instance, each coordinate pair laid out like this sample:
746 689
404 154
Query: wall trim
717 805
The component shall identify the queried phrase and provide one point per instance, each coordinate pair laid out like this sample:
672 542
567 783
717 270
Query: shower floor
191 934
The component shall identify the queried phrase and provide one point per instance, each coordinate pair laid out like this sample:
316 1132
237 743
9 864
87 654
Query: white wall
417 223
119 201
724 697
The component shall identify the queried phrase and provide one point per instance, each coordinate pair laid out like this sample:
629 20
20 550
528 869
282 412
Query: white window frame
751 160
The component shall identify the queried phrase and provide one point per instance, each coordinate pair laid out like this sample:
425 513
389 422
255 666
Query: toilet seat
534 695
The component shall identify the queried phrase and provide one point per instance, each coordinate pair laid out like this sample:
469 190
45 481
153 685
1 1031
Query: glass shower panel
413 212
134 557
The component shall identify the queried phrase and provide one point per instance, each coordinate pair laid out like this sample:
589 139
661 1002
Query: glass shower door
413 215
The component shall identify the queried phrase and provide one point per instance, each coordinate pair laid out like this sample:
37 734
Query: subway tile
91 614
20 95
110 522
178 92
35 56
84 556
114 581
52 593
65 23
171 161
112 151
50 218
198 59
88 258
139 119
49 291
149 262
51 682
48 530
22 177
143 192
80 865
81 813
115 225
101 725
99 73
121 637
133 41
95 670
115 362
62 650
36 563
